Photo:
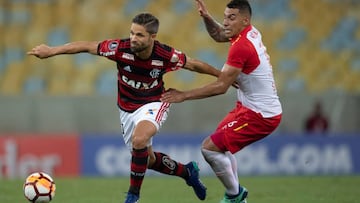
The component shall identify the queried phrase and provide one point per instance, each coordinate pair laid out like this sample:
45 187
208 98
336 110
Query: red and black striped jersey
140 81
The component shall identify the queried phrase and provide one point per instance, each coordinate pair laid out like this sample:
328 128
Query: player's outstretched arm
220 86
44 51
201 67
215 29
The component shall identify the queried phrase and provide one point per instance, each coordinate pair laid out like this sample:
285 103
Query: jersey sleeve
239 54
177 60
108 48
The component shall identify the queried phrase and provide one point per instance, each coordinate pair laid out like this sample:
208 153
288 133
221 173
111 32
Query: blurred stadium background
314 48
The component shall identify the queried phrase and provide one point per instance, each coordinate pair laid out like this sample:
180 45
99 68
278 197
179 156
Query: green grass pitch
165 189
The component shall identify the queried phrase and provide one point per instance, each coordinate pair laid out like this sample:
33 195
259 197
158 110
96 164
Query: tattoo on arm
215 29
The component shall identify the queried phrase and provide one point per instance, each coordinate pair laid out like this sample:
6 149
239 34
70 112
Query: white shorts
155 112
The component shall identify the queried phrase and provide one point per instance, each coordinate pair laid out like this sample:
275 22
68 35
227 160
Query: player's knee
205 153
139 142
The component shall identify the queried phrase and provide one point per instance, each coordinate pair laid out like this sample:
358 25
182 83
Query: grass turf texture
262 189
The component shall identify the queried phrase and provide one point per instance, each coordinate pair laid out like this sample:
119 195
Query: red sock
164 164
139 160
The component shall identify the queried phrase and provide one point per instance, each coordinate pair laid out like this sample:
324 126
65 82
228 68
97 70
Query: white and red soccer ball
39 187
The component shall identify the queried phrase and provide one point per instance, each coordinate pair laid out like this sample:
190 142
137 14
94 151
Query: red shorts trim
241 127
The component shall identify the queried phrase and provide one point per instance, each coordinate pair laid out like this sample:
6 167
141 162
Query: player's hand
172 96
202 8
41 51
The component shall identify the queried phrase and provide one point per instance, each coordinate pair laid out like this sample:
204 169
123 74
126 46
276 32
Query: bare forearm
75 47
201 67
44 51
213 89
205 68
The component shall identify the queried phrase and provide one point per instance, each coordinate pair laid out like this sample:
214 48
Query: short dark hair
149 21
242 5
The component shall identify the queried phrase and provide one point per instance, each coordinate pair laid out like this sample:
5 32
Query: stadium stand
314 45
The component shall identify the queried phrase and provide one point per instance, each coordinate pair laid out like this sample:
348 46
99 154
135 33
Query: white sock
233 163
222 166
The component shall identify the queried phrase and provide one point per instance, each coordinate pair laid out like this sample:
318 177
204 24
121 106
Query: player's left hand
172 96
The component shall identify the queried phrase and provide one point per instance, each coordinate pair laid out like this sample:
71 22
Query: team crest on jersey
113 45
128 56
157 63
155 73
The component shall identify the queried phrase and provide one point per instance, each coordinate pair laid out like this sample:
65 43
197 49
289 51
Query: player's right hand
172 96
40 51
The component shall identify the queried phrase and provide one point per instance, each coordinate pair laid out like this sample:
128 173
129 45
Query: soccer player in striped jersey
258 110
141 63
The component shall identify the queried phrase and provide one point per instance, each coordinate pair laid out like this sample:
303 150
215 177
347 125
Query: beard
136 48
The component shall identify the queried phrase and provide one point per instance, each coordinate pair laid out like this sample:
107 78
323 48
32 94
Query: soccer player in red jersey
258 110
141 62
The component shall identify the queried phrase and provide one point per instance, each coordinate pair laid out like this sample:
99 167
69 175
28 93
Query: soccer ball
39 187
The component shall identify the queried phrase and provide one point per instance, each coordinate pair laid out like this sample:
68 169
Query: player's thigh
143 132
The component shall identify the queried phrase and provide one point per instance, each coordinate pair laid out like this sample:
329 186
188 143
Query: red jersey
140 81
257 90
